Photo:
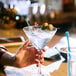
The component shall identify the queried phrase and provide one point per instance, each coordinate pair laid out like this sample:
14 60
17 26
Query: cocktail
39 37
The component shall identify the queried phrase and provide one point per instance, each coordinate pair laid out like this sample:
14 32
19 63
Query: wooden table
62 71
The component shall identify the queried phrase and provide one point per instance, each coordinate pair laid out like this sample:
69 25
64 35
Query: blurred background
60 13
14 13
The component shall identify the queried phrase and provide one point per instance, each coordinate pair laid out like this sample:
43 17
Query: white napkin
63 42
50 52
33 70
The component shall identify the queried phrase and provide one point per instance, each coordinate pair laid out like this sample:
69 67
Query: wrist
7 59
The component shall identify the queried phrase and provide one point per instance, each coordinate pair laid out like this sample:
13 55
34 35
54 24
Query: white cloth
50 52
63 42
33 70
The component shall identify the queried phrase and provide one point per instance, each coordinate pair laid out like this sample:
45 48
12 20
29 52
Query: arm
6 57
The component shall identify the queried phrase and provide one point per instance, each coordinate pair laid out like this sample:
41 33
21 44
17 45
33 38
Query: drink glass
72 62
39 38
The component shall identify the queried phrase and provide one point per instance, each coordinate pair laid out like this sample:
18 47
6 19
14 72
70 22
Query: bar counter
62 71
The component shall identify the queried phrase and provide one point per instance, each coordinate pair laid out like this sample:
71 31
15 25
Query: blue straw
29 27
32 33
69 56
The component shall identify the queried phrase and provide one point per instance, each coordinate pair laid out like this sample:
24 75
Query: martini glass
39 38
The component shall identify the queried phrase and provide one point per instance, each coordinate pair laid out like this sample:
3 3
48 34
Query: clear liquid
39 43
39 39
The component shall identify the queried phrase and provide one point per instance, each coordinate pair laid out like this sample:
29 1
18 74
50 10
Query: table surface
62 71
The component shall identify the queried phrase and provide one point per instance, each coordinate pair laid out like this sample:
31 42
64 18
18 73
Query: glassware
72 62
71 65
39 38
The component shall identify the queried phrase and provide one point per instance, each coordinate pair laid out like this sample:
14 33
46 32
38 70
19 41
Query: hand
28 55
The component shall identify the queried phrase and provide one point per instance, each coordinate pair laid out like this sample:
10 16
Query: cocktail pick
69 56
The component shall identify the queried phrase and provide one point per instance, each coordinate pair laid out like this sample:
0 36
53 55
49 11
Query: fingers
39 62
39 58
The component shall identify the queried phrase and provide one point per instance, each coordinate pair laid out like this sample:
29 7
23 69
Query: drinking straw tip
67 32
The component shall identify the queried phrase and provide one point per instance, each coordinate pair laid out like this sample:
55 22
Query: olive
51 27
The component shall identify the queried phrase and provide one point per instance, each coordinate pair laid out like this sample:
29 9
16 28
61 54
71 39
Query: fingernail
44 50
37 54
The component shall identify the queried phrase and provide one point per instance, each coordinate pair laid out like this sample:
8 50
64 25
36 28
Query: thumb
26 44
23 46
